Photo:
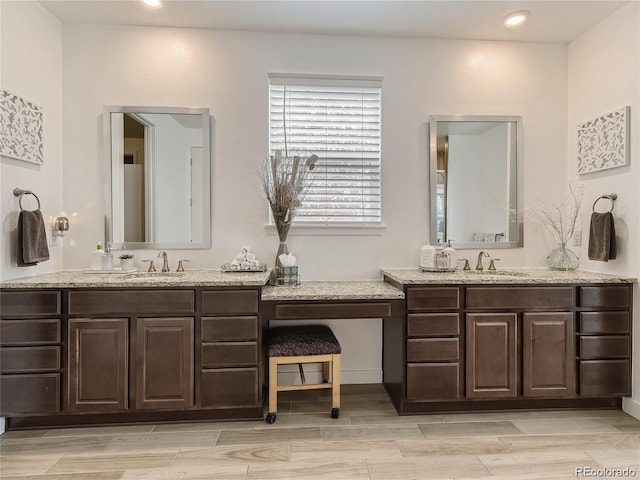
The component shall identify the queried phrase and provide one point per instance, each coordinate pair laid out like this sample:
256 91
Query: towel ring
18 192
611 197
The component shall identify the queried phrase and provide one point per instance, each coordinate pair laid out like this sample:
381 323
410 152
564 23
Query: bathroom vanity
509 339
110 348
92 349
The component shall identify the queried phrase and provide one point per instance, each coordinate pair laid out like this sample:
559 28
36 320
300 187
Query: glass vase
562 258
275 274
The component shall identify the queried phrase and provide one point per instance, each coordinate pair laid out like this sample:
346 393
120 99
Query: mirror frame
109 184
433 164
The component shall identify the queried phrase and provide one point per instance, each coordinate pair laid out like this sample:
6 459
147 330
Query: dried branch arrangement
560 220
285 181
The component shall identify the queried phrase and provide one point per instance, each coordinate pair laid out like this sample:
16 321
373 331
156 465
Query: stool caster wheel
270 418
335 412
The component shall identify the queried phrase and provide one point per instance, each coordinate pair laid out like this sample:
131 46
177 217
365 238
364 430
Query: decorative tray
227 267
440 270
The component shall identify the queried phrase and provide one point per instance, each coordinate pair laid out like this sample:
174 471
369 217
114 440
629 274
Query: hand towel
602 237
32 239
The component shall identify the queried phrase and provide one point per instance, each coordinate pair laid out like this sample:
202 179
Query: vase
126 263
275 274
562 258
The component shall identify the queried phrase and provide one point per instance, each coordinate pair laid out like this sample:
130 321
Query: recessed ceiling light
517 19
152 3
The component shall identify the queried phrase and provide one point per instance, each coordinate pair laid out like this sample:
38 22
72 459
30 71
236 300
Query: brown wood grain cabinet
98 363
479 347
30 352
164 354
492 355
548 362
604 340
230 346
433 345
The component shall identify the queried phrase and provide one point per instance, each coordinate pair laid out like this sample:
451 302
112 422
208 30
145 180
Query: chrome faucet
165 261
480 255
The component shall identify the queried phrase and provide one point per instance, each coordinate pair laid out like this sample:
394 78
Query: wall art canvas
604 142
21 134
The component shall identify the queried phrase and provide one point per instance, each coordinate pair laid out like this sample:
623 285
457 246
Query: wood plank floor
369 441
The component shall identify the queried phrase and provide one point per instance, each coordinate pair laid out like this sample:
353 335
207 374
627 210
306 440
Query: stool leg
335 386
325 372
273 385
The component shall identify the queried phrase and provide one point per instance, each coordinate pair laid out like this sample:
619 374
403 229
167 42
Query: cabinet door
492 356
548 355
164 363
98 364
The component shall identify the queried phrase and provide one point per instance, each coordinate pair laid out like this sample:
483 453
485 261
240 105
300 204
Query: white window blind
338 120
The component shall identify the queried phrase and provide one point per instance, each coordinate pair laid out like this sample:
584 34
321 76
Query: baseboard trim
631 406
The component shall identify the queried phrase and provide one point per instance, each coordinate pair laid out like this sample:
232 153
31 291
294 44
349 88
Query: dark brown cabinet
30 353
492 355
604 341
548 362
230 350
477 347
98 360
164 363
434 353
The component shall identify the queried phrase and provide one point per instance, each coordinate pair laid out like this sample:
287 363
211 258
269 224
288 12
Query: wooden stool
303 344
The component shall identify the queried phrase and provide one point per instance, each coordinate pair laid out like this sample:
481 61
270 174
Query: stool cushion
302 340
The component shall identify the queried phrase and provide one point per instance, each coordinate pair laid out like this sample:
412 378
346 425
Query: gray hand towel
32 239
602 237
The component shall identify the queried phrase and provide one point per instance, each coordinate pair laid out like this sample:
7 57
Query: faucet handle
492 265
180 267
466 263
152 267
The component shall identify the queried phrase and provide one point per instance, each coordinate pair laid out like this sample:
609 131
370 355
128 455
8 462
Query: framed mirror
475 181
157 177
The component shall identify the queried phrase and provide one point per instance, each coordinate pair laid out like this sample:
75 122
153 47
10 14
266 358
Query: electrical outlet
577 238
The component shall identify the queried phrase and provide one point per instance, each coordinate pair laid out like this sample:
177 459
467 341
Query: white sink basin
153 276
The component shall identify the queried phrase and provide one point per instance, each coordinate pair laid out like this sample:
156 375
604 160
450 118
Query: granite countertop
341 290
414 276
188 278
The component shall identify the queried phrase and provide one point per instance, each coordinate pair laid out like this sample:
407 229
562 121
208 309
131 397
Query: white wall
31 53
604 75
227 72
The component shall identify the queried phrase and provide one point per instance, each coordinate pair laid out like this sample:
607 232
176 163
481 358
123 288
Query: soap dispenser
96 257
107 258
451 255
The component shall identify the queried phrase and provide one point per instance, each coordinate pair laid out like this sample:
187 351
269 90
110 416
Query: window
338 119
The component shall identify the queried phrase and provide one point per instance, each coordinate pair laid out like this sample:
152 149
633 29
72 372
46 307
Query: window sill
331 229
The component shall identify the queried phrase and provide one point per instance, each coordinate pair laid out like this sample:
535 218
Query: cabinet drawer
229 387
432 350
604 347
604 322
229 354
604 378
229 328
224 302
29 332
432 324
29 394
433 298
30 303
128 302
519 297
29 359
433 381
618 296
